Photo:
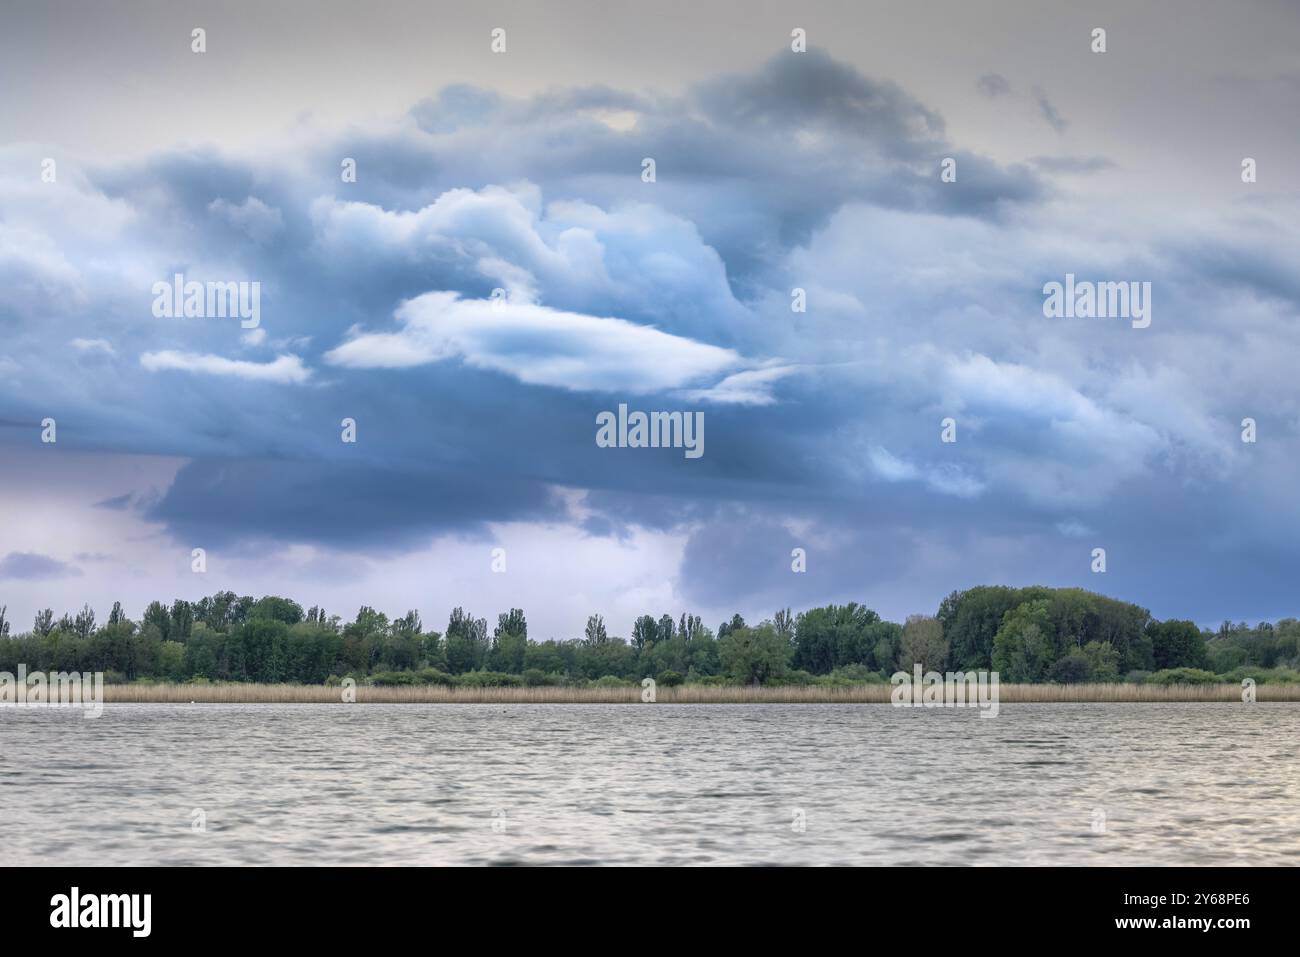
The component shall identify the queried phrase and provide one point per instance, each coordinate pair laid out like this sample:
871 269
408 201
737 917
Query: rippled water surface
652 784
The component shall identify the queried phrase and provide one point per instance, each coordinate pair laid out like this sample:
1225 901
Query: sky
521 172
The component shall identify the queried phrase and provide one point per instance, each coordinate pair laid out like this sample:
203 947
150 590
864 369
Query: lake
651 784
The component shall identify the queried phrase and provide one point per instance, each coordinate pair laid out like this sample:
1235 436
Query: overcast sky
522 171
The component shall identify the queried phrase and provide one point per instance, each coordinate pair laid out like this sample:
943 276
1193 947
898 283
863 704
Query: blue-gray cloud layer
823 427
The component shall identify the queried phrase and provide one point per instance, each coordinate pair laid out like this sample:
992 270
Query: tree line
1034 634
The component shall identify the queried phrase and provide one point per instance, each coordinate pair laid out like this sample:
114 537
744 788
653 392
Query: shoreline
1118 693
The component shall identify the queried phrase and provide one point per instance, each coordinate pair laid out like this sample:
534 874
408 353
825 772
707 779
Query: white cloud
636 260
287 369
1084 449
750 387
536 345
945 479
492 222
253 217
93 345
890 467
1073 529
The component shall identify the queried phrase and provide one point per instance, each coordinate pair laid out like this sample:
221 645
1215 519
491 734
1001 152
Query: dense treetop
1026 634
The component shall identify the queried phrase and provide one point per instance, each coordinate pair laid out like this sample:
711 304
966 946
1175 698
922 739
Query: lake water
652 784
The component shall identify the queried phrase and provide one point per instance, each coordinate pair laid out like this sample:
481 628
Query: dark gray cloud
993 85
229 503
1049 112
1072 164
30 566
924 301
756 161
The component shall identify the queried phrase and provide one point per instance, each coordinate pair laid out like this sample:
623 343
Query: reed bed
687 694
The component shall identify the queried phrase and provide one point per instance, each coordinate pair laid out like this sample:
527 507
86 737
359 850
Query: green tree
156 615
512 622
1023 646
1103 660
182 619
885 637
690 625
784 624
971 620
613 656
735 624
1124 625
259 650
551 657
644 633
84 623
833 636
171 661
670 655
923 644
43 623
466 642
510 642
595 631
1177 644
143 652
433 650
754 656
408 626
1073 669
276 608
203 651
702 654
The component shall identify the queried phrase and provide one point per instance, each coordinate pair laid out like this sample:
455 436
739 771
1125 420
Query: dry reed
686 694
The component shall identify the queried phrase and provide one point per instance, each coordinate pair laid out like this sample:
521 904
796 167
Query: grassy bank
684 694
